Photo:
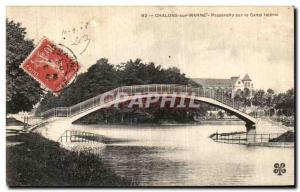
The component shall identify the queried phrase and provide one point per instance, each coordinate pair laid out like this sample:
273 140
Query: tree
138 73
270 91
269 99
284 102
22 91
259 98
246 93
220 114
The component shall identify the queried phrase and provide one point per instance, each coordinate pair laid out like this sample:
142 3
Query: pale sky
201 47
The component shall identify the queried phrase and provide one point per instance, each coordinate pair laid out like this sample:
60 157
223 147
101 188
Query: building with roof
233 86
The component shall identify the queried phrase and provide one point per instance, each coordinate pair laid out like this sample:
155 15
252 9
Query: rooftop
246 78
214 82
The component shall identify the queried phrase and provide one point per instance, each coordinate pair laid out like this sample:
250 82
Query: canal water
185 155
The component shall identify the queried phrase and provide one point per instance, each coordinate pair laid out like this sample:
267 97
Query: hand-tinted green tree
22 91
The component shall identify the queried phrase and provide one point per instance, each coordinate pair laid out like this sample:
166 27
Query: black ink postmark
78 36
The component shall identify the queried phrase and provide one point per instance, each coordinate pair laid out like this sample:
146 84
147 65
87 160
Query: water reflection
185 155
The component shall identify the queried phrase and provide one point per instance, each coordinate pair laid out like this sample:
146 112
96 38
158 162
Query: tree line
275 103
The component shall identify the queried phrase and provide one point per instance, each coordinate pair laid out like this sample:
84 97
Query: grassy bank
40 162
285 137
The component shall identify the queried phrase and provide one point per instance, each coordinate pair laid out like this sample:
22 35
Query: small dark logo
279 169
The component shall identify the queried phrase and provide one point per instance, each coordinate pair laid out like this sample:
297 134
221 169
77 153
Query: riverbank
36 161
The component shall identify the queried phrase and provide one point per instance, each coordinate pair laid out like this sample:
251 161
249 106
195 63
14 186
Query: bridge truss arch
114 96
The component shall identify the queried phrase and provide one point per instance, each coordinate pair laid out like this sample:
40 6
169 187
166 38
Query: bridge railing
245 138
219 95
79 136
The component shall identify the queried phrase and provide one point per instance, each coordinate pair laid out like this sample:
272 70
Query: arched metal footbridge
114 96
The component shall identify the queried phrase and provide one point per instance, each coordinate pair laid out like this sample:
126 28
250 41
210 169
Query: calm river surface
185 155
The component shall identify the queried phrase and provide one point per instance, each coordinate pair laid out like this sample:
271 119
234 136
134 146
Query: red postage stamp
51 66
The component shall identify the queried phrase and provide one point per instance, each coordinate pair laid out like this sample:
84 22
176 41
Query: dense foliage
22 91
283 103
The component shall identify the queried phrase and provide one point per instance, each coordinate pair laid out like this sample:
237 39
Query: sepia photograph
150 96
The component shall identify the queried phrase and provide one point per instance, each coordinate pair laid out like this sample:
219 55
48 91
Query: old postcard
150 96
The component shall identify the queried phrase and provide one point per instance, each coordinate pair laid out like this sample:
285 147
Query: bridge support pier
250 126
